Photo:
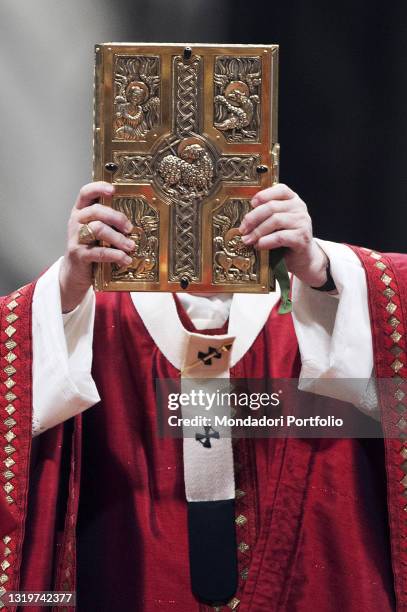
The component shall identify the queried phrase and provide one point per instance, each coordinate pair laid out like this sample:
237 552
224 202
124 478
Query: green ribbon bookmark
280 272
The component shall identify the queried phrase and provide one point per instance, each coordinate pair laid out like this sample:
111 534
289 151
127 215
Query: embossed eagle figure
237 108
190 173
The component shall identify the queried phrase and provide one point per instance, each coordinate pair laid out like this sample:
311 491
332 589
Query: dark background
342 108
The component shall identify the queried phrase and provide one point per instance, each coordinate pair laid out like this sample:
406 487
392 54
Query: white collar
206 311
158 311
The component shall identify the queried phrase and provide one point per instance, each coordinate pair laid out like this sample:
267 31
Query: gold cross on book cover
187 134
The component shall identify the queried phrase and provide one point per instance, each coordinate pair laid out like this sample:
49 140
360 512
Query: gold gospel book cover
187 134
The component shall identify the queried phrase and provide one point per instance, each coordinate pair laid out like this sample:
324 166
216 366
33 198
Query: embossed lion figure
190 172
234 259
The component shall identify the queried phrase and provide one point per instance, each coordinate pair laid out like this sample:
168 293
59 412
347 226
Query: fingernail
127 260
254 201
109 188
129 227
247 239
242 228
129 244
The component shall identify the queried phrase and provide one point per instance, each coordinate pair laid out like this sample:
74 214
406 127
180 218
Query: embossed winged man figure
137 107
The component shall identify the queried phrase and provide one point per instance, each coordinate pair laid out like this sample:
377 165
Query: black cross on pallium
205 439
212 353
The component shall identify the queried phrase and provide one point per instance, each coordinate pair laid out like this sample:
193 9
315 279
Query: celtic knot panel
239 168
132 168
186 236
187 88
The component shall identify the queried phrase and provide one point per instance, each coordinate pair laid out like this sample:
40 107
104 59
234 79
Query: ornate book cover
187 134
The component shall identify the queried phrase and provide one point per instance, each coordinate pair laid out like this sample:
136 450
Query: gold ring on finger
86 235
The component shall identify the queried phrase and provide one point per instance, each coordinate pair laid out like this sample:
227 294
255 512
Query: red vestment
105 511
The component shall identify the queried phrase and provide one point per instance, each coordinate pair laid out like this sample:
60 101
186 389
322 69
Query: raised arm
100 223
332 324
63 311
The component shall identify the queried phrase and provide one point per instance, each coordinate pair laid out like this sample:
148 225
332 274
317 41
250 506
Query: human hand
280 219
106 224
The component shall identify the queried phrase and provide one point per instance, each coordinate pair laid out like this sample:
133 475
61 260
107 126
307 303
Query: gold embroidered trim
9 370
388 293
10 331
394 322
239 493
395 336
386 279
391 307
11 317
396 366
10 422
240 520
10 435
402 423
